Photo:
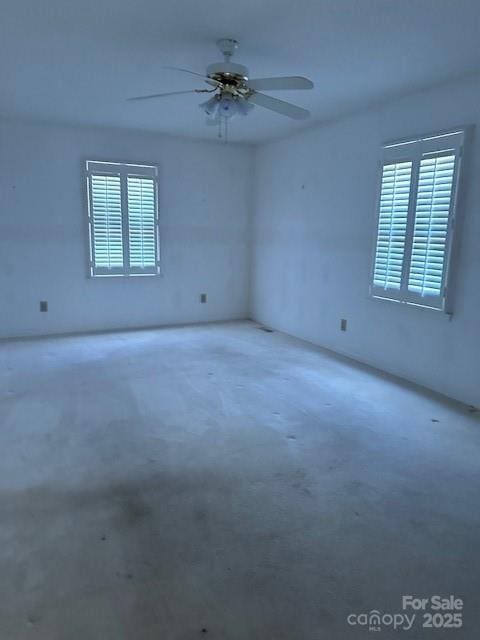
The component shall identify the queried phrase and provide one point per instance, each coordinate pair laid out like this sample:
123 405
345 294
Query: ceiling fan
233 93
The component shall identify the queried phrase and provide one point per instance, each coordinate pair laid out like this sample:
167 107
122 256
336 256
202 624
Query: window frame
124 170
413 150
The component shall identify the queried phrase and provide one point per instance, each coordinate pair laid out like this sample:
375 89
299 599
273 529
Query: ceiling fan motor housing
228 73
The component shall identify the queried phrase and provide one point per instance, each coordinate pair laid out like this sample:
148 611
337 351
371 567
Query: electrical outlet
43 305
203 298
343 324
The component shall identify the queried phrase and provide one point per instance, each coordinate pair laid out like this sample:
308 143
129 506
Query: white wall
311 239
204 219
313 231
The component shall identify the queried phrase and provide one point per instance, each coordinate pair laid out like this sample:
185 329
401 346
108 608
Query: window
123 219
416 214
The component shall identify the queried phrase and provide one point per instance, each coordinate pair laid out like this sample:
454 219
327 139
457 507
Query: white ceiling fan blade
170 93
279 84
213 83
279 106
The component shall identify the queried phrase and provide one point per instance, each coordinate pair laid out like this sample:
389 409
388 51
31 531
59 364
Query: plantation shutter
106 212
415 219
123 219
392 224
141 223
429 247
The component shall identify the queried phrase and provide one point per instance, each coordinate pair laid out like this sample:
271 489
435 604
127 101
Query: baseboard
93 332
361 362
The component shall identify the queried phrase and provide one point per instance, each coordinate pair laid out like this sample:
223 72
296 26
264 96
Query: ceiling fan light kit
233 92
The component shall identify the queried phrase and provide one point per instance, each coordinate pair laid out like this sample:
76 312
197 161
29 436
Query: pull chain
223 135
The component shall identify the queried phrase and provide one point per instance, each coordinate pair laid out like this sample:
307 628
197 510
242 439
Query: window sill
409 303
96 276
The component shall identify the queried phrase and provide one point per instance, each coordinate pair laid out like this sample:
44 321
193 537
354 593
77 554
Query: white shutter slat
392 224
429 245
106 221
141 222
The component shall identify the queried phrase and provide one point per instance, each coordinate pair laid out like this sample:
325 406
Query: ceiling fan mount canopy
227 46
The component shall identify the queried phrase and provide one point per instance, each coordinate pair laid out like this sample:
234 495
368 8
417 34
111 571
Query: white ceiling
77 61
